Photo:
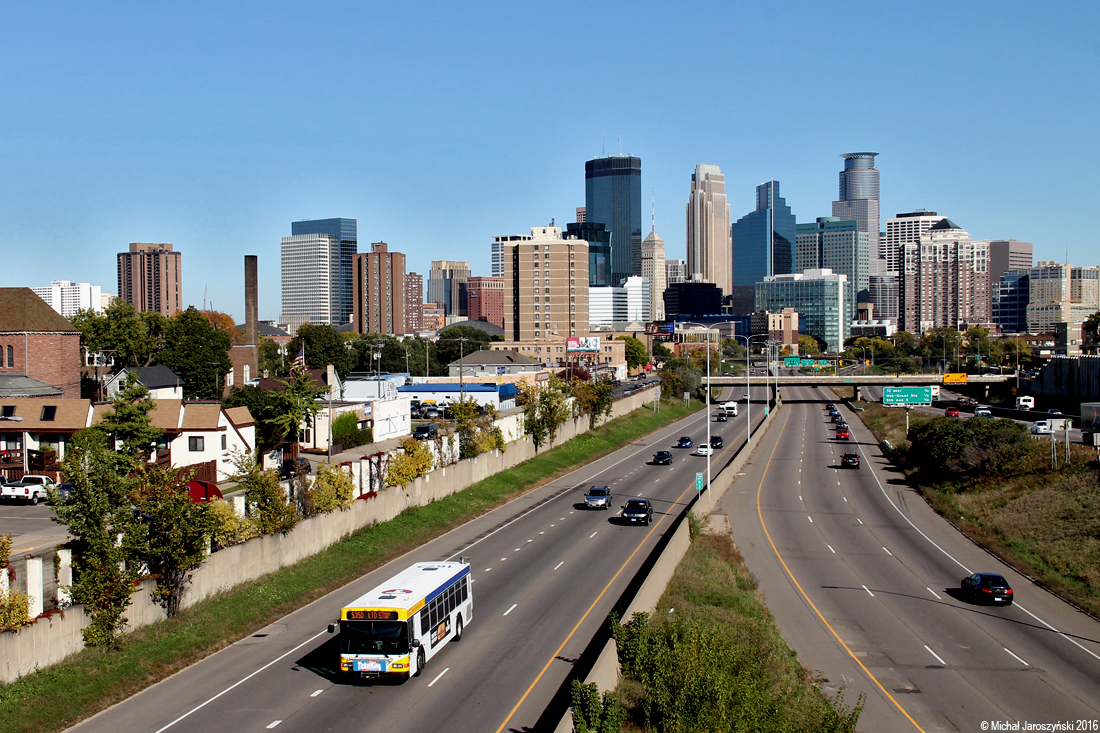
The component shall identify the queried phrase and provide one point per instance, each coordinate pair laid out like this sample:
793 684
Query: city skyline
110 142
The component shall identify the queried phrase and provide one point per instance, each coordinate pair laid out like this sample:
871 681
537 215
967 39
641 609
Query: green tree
266 407
592 398
808 345
679 376
450 346
636 354
130 337
268 504
414 461
298 406
661 352
332 489
127 424
229 529
940 345
1090 328
324 346
544 409
198 353
271 359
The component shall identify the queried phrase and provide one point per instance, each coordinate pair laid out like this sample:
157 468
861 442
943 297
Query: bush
229 528
14 609
415 461
332 489
946 448
346 431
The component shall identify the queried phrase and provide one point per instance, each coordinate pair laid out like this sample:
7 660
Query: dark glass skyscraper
764 240
613 197
345 231
599 250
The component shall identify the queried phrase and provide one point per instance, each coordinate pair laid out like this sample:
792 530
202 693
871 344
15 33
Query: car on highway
986 588
830 406
291 466
837 418
685 441
730 407
849 460
1054 411
716 441
842 434
967 401
951 412
598 497
982 412
662 458
721 417
1041 427
703 450
638 510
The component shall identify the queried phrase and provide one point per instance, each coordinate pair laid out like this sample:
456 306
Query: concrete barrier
50 640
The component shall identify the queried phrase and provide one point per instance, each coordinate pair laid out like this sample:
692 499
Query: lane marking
1017 658
868 591
811 519
445 671
593 534
274 723
859 520
559 564
845 499
800 497
937 595
315 694
488 569
937 656
831 549
887 551
511 609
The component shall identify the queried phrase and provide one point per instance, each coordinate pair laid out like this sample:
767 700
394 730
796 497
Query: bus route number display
372 615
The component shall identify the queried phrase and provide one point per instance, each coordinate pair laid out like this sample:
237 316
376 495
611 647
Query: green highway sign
792 361
807 362
698 481
899 396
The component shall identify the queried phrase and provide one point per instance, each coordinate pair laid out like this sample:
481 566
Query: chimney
251 296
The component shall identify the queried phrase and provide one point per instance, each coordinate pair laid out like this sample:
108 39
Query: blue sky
438 125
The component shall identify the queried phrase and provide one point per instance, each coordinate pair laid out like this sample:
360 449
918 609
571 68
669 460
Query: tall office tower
859 198
839 246
655 267
882 293
447 285
906 229
613 197
414 303
344 234
379 305
599 251
546 295
637 291
498 250
150 278
822 298
67 297
944 281
675 272
1010 295
1006 255
607 305
485 299
1060 293
764 240
709 251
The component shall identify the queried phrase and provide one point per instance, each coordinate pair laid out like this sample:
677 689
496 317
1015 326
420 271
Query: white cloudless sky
439 125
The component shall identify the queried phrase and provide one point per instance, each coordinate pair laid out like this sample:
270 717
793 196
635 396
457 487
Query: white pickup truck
31 489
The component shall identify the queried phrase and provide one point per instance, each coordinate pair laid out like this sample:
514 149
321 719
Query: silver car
598 497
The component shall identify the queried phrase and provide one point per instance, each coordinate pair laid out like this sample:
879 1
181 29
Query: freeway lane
868 568
545 573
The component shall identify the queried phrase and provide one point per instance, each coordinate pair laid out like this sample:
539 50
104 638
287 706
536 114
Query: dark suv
638 510
425 432
849 460
662 458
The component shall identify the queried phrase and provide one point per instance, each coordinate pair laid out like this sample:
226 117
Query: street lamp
748 380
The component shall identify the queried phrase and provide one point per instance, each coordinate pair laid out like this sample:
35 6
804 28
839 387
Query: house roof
452 387
317 377
23 311
68 415
942 224
201 416
164 415
240 417
154 377
20 385
495 358
490 328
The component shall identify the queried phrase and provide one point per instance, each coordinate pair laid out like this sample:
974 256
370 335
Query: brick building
485 300
36 342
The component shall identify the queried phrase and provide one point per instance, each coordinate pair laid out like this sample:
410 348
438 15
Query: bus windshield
374 637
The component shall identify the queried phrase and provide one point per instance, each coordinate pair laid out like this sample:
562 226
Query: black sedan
716 441
638 510
662 458
987 588
849 460
684 442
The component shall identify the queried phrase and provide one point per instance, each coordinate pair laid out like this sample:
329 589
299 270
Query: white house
162 382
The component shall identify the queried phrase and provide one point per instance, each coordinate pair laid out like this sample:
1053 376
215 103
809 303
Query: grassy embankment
711 658
1043 521
56 697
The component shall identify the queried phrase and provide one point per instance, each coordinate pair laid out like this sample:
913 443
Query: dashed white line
654 481
937 595
488 569
503 559
1017 658
937 656
868 591
274 723
845 498
318 692
445 671
859 520
831 549
533 540
511 609
593 534
811 519
887 551
539 533
559 564
800 497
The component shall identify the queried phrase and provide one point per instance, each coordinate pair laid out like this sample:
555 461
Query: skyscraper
675 272
764 240
709 251
859 198
906 229
379 305
318 286
67 297
485 299
546 288
150 278
839 246
613 197
944 281
1061 293
414 303
654 267
498 251
599 250
1006 255
822 298
447 285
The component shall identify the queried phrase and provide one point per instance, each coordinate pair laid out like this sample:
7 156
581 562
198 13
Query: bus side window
464 591
424 621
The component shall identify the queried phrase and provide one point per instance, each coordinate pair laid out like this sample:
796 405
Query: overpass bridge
866 380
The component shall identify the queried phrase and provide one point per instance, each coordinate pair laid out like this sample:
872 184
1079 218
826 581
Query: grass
712 658
58 696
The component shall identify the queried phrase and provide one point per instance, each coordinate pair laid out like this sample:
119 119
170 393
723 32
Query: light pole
706 401
748 379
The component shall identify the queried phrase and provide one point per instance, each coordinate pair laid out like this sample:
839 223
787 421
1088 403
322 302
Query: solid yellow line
760 514
557 652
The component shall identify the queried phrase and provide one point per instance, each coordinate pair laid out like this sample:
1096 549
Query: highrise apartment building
764 239
318 286
613 197
836 245
379 305
858 202
414 303
945 281
1006 255
150 278
498 251
655 269
485 299
447 285
67 297
906 229
709 249
547 287
822 298
1061 293
675 272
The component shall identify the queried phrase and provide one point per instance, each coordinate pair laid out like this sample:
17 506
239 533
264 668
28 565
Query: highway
862 577
546 573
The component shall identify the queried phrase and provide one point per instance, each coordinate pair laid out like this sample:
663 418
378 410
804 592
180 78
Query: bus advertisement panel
398 626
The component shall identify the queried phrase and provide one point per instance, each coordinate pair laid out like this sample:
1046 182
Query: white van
730 407
1025 402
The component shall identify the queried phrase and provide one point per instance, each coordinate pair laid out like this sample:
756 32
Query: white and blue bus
401 624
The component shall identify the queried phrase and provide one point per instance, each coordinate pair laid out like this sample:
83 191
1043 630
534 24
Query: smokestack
251 297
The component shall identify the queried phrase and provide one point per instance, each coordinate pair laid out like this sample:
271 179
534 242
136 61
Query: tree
660 351
324 346
224 322
414 461
592 398
544 409
266 408
1090 329
198 353
679 376
450 347
636 354
131 338
808 345
298 405
271 360
268 504
127 425
941 344
332 489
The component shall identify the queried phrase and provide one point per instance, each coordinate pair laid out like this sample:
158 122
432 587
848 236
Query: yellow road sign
954 378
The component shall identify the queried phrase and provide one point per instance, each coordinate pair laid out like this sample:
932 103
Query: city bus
398 626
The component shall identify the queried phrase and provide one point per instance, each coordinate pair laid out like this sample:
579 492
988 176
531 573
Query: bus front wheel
458 629
419 662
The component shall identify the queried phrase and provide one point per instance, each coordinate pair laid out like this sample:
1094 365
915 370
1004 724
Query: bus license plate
368 666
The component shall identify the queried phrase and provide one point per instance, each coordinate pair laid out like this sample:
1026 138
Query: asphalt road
546 573
863 578
32 528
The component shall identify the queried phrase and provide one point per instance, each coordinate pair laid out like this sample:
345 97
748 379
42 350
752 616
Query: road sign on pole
699 481
906 396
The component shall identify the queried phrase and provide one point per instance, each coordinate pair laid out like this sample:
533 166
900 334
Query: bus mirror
332 628
415 643
464 559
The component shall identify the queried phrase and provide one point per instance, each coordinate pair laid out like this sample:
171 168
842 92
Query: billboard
954 378
582 345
